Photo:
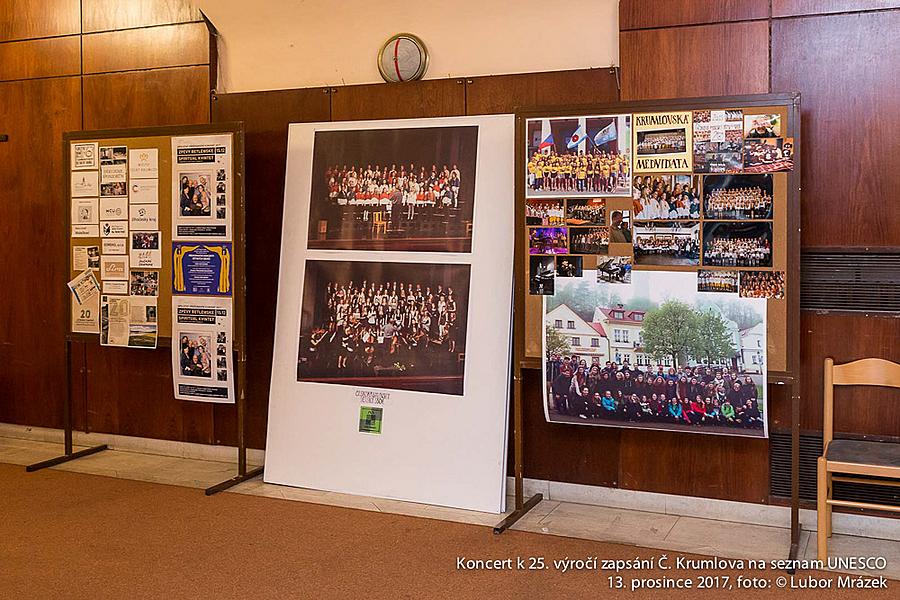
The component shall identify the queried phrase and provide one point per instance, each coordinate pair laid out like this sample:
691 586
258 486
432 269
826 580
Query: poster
145 250
84 155
202 187
85 257
142 322
84 287
85 183
656 354
114 319
578 156
143 163
202 268
202 349
143 191
411 317
86 316
662 142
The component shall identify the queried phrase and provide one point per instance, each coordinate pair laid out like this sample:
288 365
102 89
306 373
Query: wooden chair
859 458
379 224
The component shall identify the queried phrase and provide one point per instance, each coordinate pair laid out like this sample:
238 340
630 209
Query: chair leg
830 494
821 510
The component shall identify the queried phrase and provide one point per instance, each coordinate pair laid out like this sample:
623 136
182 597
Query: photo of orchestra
737 197
725 282
386 325
737 244
666 197
661 141
762 126
669 243
548 213
548 240
589 240
541 271
656 355
762 284
569 266
590 211
614 269
579 156
407 189
768 155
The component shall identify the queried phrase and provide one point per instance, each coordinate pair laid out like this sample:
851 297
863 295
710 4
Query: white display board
395 294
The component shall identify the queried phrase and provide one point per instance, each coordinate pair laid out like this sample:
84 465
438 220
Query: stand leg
228 483
65 458
517 514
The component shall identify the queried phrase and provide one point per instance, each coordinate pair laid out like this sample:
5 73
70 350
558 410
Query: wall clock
402 58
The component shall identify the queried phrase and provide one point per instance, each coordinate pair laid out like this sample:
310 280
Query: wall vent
851 281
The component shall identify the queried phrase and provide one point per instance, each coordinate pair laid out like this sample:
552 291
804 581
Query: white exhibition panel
441 449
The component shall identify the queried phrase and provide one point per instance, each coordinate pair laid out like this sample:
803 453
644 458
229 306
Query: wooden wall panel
131 394
849 86
25 19
503 93
266 116
432 98
177 96
49 57
642 14
33 315
790 8
168 46
709 60
860 410
102 15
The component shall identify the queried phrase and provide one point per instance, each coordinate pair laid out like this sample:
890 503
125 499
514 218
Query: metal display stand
788 378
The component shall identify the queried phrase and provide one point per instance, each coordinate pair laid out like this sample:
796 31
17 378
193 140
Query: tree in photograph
670 331
713 340
556 342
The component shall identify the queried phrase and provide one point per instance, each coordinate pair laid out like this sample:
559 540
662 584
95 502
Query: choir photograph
737 197
743 244
667 243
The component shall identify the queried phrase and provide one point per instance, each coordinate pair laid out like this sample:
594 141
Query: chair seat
880 454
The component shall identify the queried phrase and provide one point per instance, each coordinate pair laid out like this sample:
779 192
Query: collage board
654 241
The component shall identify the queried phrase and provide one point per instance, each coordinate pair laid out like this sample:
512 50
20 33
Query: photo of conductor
388 325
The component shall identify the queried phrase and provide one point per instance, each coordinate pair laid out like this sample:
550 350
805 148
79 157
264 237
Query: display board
680 212
390 373
156 215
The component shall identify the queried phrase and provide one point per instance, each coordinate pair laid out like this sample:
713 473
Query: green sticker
370 419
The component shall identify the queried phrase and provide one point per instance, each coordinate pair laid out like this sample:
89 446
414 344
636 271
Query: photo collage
652 240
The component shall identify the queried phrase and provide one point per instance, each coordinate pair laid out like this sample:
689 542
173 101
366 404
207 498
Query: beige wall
272 44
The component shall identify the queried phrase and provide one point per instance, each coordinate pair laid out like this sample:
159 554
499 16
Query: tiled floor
647 529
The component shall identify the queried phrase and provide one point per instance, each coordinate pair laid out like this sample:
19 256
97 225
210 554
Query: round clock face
402 58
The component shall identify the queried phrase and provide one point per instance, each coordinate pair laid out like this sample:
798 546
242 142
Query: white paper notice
201 187
144 191
201 349
85 231
85 257
114 267
83 155
145 250
144 217
84 211
113 209
114 246
143 163
113 229
84 287
115 314
86 316
85 183
115 287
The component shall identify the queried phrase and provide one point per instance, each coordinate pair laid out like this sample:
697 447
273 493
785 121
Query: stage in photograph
655 355
579 156
723 282
589 240
541 275
737 197
667 243
742 244
548 213
614 269
410 189
585 211
387 325
548 240
762 284
666 197
569 266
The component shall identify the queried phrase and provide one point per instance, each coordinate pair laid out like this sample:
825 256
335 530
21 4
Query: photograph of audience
762 284
737 197
589 240
548 213
547 240
614 269
661 141
394 189
725 282
590 211
666 197
579 156
667 243
737 244
768 154
541 270
386 325
569 266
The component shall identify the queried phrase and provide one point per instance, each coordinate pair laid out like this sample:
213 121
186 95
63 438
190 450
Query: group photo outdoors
655 354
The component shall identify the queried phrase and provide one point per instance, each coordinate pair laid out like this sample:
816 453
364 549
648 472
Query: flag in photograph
607 134
576 138
547 145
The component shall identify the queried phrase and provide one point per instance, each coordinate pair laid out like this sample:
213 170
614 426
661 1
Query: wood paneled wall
147 64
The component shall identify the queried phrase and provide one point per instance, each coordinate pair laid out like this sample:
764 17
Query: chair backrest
866 371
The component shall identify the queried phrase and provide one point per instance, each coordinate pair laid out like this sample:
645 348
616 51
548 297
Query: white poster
201 349
145 250
84 211
113 209
202 187
85 183
83 155
432 262
144 191
114 317
143 163
144 217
